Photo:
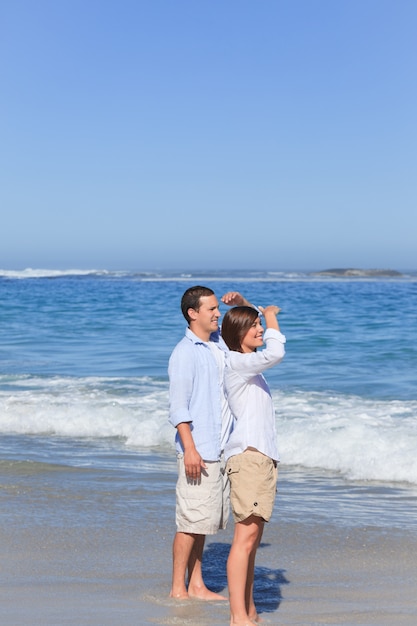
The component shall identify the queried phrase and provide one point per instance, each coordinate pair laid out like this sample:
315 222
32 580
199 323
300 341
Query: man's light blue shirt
195 395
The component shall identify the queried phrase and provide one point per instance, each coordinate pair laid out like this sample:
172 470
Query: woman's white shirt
249 397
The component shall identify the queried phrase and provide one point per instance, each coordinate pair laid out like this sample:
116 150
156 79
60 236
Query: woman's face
254 337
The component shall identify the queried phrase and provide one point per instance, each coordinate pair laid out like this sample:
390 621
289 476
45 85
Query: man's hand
193 464
234 298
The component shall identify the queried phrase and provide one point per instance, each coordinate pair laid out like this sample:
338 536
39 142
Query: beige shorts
202 507
253 485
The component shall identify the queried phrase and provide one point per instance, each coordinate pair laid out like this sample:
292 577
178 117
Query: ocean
83 363
87 458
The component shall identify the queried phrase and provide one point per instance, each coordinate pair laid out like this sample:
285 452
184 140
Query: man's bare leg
187 553
181 551
196 586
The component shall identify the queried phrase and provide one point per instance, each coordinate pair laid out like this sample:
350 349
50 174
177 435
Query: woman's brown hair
236 324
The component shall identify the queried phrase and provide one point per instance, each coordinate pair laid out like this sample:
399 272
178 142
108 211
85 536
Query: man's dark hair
191 299
236 324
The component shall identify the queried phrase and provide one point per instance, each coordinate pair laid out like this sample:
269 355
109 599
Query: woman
251 452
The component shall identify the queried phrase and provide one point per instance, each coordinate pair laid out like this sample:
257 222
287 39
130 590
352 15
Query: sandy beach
305 576
76 555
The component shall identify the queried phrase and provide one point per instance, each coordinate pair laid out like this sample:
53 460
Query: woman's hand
272 308
270 315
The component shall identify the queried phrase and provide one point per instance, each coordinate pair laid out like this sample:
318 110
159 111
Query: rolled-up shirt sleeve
250 364
181 381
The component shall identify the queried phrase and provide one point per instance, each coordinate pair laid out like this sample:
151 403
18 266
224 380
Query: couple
222 409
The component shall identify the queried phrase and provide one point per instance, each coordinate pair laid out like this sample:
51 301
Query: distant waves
201 275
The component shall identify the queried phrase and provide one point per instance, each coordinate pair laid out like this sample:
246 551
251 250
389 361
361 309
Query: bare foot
202 593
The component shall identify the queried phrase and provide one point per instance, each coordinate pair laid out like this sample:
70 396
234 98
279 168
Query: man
199 412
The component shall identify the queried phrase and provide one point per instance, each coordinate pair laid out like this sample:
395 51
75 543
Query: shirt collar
214 337
193 337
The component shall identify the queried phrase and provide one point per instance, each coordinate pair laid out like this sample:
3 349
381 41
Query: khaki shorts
202 507
253 485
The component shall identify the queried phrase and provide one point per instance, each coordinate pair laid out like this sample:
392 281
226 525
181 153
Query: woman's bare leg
250 604
240 569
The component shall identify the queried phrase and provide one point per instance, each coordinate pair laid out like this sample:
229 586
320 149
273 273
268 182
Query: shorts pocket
233 466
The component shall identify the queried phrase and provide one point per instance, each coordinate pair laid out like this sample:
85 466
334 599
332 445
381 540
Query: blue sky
152 134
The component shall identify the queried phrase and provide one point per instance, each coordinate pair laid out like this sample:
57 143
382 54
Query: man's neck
200 334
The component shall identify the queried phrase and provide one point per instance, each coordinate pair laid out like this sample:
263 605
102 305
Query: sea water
84 385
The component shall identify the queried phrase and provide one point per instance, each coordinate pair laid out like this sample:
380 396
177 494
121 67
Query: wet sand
304 575
115 570
106 560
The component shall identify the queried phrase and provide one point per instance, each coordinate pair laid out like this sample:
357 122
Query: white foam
89 407
360 439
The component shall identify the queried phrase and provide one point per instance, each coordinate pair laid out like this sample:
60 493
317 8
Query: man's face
206 320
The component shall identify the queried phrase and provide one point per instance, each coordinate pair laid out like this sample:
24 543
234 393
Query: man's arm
234 298
192 460
181 383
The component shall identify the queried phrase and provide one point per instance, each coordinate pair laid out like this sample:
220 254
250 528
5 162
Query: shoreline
305 574
94 548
